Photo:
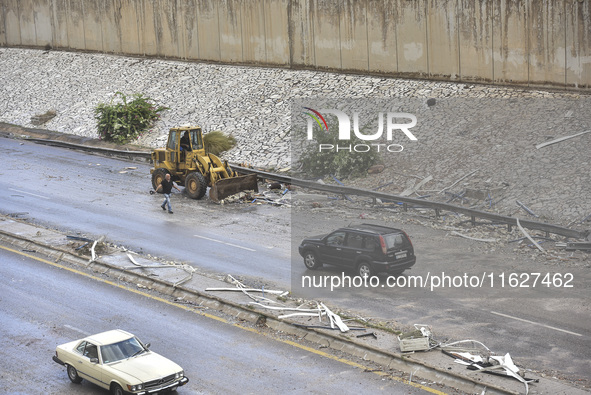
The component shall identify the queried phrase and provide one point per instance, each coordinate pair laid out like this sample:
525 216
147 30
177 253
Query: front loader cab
187 139
177 158
196 138
183 140
172 147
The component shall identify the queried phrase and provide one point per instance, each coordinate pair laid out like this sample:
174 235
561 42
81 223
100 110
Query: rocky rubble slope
477 143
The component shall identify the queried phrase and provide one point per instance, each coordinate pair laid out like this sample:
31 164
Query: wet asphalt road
94 195
42 306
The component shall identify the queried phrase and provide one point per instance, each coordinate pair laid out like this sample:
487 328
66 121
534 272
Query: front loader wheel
195 185
158 176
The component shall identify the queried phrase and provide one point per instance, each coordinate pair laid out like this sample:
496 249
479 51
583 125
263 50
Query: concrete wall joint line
458 30
367 35
340 12
219 34
427 35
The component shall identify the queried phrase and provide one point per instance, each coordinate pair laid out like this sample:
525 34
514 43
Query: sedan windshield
122 350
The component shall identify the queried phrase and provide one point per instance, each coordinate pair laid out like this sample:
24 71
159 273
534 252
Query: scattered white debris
541 145
473 238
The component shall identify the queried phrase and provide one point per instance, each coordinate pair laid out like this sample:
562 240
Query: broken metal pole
82 246
467 175
92 253
79 238
528 236
473 238
298 314
383 185
456 196
335 319
541 145
325 327
286 308
526 209
368 334
273 292
572 245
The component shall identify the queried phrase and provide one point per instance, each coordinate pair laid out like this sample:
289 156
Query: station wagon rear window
394 241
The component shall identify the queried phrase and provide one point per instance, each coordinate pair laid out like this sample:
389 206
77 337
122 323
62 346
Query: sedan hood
146 367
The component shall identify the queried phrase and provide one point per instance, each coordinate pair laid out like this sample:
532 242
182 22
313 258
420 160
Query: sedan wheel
116 389
311 261
73 375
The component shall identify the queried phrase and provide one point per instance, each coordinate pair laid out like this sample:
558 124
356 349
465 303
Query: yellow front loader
185 159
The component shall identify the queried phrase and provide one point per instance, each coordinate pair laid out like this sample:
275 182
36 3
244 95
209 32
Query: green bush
342 164
124 121
217 142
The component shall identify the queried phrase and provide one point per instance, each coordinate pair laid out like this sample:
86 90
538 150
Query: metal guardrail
472 213
109 151
407 202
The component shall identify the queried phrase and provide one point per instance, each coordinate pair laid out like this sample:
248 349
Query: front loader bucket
230 186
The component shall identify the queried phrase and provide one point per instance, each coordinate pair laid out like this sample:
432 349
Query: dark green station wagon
367 249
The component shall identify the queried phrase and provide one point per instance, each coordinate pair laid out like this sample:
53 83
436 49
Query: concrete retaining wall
525 42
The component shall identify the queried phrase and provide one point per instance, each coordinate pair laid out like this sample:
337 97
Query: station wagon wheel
364 269
311 261
116 389
73 375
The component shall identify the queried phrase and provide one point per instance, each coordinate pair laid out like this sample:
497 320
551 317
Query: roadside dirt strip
185 286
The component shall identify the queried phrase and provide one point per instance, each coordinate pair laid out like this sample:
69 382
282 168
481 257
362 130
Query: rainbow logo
315 116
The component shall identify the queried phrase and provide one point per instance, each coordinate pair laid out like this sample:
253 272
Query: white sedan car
118 361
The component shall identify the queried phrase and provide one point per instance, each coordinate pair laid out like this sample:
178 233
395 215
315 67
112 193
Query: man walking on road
166 185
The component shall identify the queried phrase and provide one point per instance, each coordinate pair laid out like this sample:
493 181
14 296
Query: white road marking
77 330
223 242
536 323
28 193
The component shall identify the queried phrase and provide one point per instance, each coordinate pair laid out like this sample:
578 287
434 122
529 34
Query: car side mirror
93 360
148 345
